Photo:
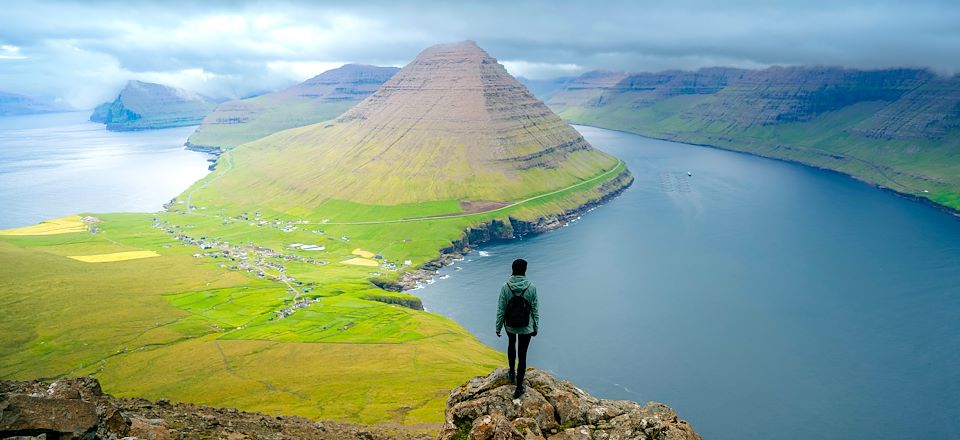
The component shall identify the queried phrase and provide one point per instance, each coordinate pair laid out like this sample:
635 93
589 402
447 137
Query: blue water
760 299
60 164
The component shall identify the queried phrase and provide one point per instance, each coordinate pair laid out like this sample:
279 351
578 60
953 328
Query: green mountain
143 106
14 104
317 99
895 128
452 125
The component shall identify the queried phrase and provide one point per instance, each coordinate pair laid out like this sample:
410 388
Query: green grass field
190 328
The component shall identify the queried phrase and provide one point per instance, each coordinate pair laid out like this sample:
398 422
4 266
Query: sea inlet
760 299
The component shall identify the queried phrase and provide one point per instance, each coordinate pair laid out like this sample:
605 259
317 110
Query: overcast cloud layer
83 52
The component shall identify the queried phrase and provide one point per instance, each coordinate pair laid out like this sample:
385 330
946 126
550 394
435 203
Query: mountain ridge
896 128
322 97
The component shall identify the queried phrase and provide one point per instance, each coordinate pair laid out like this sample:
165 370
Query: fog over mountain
230 49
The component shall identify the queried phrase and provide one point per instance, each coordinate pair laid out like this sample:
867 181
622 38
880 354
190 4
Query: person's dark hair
519 266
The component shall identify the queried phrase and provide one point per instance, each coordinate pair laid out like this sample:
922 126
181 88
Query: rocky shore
498 230
216 151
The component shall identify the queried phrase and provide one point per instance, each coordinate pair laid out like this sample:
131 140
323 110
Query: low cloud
83 52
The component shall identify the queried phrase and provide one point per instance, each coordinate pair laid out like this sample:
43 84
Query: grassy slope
183 328
321 173
267 117
908 166
167 327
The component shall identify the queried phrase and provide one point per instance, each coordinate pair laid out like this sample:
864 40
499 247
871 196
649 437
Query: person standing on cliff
517 312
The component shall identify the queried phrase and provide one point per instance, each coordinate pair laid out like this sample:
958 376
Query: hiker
517 312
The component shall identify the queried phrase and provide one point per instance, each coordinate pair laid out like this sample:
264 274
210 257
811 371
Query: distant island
895 128
144 106
320 98
13 104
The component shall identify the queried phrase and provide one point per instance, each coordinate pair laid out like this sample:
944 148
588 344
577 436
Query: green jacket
518 283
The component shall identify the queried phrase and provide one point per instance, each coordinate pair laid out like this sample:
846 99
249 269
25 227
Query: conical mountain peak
451 125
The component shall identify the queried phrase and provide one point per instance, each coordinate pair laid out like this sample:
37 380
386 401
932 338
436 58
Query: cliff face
484 409
896 128
145 106
772 96
317 99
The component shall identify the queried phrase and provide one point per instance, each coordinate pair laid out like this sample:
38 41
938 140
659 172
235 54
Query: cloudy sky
82 52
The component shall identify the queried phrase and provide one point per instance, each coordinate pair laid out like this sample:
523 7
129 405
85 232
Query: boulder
22 415
484 408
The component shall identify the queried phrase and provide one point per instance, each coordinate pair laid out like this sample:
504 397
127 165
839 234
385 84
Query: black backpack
518 309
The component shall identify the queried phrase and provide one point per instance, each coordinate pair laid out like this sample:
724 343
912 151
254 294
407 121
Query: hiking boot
512 377
518 392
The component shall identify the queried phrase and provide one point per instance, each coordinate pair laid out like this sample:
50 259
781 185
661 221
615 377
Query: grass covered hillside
257 288
143 106
897 128
317 99
452 126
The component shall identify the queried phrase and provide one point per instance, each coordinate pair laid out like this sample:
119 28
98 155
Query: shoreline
955 212
216 151
497 230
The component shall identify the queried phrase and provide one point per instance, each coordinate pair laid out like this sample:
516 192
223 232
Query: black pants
514 352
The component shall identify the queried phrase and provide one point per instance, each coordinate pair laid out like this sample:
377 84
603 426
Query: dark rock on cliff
78 409
484 409
507 229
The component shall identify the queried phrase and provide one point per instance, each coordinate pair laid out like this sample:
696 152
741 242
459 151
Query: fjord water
760 299
61 164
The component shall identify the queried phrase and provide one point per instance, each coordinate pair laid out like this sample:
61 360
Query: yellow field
361 262
116 256
63 225
363 253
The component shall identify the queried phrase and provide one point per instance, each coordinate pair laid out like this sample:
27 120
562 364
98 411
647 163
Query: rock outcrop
144 106
484 409
71 409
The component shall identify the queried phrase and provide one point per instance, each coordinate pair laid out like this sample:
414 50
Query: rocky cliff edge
484 409
481 409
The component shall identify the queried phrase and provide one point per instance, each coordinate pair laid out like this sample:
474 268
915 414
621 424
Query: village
257 260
